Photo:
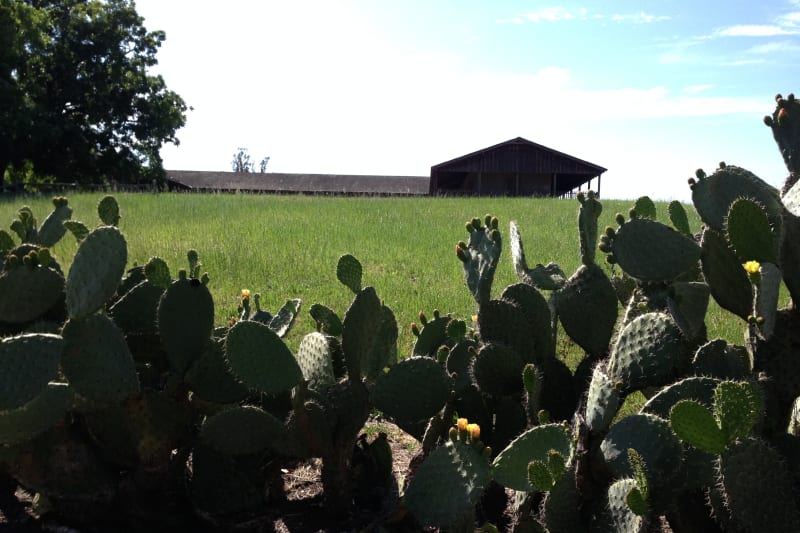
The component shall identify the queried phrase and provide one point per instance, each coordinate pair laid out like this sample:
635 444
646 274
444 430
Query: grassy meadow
288 246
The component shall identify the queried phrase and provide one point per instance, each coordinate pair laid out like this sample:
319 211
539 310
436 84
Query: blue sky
651 90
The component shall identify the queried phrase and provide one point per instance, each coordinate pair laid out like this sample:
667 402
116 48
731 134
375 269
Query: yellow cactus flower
245 293
474 318
474 431
752 267
462 424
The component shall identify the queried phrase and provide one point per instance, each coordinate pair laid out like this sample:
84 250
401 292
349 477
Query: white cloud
774 47
639 18
753 30
694 89
553 14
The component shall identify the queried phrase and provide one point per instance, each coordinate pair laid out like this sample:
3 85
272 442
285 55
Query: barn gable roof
479 160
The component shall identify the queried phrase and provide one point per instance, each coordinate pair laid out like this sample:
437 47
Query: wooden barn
517 167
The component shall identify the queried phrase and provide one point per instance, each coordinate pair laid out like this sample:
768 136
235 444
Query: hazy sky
651 90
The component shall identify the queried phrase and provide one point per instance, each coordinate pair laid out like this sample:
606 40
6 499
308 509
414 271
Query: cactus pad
136 311
28 293
650 251
537 313
497 370
623 518
52 229
362 321
587 307
447 484
413 389
602 402
284 318
36 416
27 364
96 270
677 215
700 389
315 360
108 211
97 360
185 321
757 488
653 439
210 377
695 425
260 359
505 323
157 272
750 233
548 277
510 467
327 321
737 407
726 278
244 430
646 353
432 335
348 272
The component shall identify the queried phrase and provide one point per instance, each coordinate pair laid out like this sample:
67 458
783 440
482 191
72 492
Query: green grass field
288 246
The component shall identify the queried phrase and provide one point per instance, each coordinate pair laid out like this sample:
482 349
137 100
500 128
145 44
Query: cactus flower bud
487 220
469 227
487 453
474 431
495 223
700 174
45 258
783 116
245 293
495 235
620 219
442 353
414 329
476 223
461 424
722 164
436 313
768 120
581 197
204 279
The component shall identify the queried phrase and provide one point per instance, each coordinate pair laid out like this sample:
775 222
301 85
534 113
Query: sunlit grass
288 246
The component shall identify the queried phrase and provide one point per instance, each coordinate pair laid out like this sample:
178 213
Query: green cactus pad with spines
510 467
52 229
97 360
327 320
794 419
790 253
653 439
588 214
432 335
645 208
27 363
622 517
767 294
244 430
413 389
695 425
37 416
678 217
497 370
791 200
757 488
185 321
713 195
720 360
785 128
587 308
737 408
78 229
548 277
6 241
749 232
688 303
650 251
314 358
559 396
505 323
363 319
458 362
725 276
384 349
447 484
96 270
260 359
602 402
646 352
700 389
348 272
28 293
510 419
560 505
136 311
537 313
108 211
210 377
483 254
157 272
284 318
133 277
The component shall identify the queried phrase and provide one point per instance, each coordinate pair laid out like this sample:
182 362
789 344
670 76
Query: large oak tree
76 99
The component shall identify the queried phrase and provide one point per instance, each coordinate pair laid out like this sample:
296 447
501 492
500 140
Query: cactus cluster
121 376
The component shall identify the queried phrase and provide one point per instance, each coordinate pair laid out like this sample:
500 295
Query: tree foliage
76 100
242 162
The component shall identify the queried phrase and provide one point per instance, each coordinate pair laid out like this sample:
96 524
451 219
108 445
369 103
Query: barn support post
516 185
598 186
554 185
480 184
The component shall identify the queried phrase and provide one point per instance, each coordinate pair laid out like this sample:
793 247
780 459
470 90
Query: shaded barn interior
517 167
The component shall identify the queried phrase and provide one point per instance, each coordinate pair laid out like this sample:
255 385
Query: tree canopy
76 100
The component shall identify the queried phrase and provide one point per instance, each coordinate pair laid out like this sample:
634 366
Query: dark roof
299 183
509 153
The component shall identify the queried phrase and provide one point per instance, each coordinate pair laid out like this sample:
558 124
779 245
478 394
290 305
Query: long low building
517 167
